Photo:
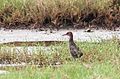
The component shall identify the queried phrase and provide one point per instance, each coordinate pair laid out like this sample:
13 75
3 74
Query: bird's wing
74 50
79 52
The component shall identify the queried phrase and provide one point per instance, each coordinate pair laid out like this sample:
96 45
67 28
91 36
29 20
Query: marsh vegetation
55 14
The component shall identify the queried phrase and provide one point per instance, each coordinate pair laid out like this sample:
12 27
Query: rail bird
74 50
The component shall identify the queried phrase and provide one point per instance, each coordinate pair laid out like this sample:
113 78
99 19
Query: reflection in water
31 47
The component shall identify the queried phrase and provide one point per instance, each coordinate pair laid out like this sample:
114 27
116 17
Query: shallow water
33 36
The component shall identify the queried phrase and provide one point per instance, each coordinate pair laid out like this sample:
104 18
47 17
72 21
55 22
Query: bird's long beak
64 34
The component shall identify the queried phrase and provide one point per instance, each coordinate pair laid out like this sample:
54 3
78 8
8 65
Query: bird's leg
74 59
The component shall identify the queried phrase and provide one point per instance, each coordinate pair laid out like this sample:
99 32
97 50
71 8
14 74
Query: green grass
73 70
100 61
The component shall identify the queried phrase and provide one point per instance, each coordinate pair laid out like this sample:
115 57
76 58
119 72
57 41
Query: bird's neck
71 39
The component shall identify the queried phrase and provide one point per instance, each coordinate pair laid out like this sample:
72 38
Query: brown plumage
74 50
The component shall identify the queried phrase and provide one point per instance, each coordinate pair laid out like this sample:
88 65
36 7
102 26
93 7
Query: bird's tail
80 55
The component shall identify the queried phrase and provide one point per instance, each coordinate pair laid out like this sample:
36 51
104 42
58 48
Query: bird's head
70 34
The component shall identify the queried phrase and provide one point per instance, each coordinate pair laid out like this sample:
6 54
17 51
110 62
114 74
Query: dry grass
36 13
